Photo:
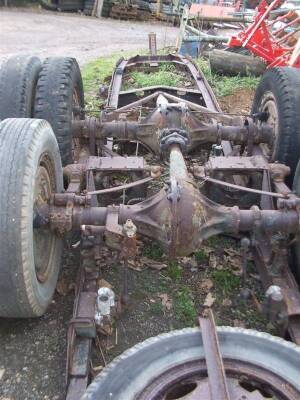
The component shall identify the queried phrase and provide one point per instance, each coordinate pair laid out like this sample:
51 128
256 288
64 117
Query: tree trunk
229 63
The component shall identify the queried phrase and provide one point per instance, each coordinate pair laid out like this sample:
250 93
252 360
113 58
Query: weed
201 257
165 75
174 271
153 251
220 241
225 281
149 286
156 308
225 85
184 306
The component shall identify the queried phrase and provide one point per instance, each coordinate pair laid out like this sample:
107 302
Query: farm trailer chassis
239 190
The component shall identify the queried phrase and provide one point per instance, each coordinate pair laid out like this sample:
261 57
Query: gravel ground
46 33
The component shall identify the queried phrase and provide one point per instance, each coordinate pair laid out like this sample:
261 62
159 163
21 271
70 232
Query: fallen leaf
2 370
103 283
238 324
153 264
62 287
209 300
226 302
206 284
166 301
135 266
212 261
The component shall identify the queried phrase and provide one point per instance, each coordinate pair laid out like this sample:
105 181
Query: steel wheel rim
269 106
75 143
246 382
43 239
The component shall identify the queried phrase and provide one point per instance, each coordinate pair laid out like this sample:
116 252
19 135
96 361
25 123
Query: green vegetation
201 257
225 281
174 271
220 241
184 307
153 251
98 72
165 75
226 85
156 308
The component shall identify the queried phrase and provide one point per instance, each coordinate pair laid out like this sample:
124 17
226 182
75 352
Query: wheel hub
245 382
44 239
269 106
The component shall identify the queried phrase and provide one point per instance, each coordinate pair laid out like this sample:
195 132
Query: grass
225 281
165 75
154 251
226 85
98 72
201 257
174 271
184 306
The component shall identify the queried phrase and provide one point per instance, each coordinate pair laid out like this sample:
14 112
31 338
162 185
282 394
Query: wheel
59 100
49 5
278 95
88 7
106 6
30 257
70 5
296 247
172 366
18 79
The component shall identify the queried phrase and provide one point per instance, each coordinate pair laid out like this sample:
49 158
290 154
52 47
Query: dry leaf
166 301
226 302
62 287
153 264
135 266
206 284
103 283
212 261
209 300
238 324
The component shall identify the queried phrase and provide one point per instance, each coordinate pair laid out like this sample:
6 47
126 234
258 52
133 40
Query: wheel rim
43 239
245 382
269 106
75 116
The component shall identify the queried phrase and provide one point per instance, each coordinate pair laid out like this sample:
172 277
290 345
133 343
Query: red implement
276 47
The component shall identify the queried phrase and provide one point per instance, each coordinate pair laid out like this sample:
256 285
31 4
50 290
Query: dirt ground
45 33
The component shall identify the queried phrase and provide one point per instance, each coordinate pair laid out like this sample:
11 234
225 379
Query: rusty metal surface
215 368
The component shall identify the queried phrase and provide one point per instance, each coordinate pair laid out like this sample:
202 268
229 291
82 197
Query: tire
48 5
106 7
279 93
296 247
136 370
18 79
30 258
59 81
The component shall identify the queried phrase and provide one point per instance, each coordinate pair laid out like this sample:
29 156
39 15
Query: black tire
18 79
279 94
70 5
49 5
296 247
106 7
136 371
59 81
88 7
30 258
